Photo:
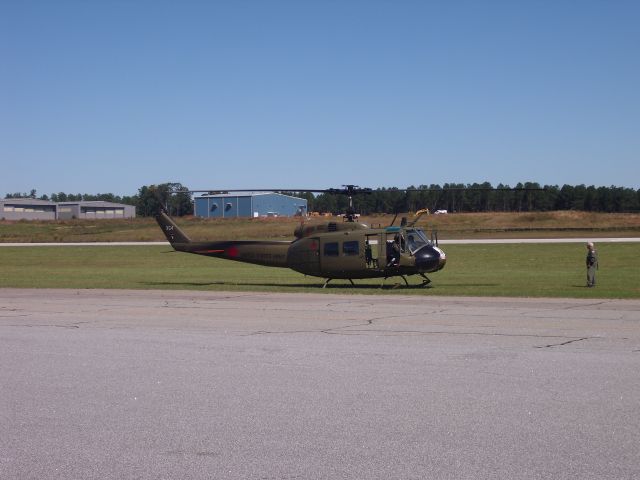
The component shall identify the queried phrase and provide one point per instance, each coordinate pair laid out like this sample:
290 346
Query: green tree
173 197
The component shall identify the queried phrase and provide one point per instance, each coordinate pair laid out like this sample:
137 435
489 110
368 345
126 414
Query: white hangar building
33 209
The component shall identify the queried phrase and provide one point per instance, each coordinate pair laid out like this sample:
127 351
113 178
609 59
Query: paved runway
147 384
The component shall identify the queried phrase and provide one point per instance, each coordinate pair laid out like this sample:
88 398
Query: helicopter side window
412 243
331 249
351 248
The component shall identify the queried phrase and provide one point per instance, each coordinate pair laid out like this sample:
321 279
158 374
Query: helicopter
331 250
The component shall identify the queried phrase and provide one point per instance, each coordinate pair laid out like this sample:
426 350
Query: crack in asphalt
313 330
44 325
343 331
330 331
551 345
586 305
36 325
420 332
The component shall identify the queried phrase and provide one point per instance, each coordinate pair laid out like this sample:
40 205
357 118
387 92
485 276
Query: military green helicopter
331 250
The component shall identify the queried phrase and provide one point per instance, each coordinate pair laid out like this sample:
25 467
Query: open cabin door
395 247
374 251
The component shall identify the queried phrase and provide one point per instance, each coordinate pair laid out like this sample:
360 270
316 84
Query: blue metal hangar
252 205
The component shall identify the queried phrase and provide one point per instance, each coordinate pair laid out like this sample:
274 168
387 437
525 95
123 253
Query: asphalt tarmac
108 384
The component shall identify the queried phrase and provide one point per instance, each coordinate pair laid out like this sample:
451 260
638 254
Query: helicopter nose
430 259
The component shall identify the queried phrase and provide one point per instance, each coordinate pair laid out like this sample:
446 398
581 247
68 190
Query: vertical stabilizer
171 230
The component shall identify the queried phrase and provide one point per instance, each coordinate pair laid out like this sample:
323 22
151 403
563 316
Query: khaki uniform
592 266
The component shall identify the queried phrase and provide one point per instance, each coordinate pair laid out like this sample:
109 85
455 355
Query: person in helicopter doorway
393 252
592 264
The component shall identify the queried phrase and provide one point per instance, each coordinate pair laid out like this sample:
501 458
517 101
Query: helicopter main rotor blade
339 191
351 190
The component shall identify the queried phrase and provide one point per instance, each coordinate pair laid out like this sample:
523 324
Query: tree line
173 197
76 197
481 197
453 197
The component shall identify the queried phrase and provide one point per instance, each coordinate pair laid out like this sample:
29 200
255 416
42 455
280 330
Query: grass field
517 270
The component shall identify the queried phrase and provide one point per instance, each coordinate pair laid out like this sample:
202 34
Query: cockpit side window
416 239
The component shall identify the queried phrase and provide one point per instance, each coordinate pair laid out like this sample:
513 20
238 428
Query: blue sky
107 96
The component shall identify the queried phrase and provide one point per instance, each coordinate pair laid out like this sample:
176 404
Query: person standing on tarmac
592 264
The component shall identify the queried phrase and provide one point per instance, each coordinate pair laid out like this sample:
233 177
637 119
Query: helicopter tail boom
268 253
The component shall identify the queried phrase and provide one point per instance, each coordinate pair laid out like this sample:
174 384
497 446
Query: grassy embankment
453 226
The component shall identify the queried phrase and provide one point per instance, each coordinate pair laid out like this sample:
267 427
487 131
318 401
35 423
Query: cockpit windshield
416 239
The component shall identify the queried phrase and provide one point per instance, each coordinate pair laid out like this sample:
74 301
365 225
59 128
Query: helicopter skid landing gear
329 279
426 280
406 282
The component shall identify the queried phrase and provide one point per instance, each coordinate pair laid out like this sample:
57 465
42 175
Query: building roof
36 201
246 194
26 201
95 203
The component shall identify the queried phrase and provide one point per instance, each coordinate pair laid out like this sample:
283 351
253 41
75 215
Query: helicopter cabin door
394 246
374 256
342 256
